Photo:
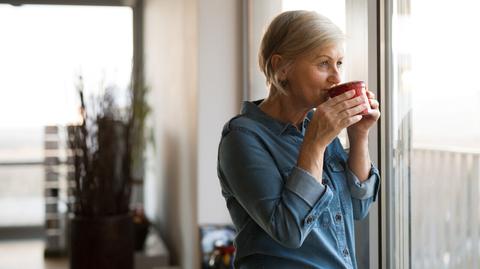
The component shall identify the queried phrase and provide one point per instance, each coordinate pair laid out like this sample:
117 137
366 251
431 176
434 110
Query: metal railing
445 221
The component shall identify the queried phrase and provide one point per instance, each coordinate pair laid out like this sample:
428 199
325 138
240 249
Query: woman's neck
281 107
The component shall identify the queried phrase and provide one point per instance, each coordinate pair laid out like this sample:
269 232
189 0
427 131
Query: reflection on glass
437 132
401 90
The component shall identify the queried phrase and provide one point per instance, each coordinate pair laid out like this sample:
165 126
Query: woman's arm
363 192
329 119
284 205
359 158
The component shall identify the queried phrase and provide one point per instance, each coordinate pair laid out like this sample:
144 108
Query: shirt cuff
303 184
366 189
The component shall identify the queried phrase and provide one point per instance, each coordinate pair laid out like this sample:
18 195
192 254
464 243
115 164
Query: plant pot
101 243
141 232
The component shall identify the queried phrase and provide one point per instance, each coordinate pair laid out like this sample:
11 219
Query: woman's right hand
329 119
332 116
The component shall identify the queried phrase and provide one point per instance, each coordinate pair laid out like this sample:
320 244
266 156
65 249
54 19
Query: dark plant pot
101 243
141 232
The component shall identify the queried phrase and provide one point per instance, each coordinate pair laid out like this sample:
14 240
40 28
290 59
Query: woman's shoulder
243 124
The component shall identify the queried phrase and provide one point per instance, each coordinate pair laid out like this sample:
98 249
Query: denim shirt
283 216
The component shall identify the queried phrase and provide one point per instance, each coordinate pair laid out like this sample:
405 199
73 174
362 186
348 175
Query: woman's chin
322 98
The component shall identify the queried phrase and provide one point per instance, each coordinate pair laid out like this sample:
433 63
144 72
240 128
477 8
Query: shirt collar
251 110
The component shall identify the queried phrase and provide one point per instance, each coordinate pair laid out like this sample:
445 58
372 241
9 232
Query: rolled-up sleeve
305 186
363 193
285 208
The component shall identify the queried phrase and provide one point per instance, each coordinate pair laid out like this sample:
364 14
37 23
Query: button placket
309 220
339 226
338 217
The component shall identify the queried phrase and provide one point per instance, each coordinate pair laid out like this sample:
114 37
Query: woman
292 191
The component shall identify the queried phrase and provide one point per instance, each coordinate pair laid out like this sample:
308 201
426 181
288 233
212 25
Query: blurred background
199 61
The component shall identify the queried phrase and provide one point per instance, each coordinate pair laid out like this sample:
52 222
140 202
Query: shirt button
338 217
345 252
309 220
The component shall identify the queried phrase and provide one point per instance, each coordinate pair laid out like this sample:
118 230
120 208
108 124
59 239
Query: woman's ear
278 67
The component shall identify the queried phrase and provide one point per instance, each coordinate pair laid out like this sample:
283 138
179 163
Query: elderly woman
291 189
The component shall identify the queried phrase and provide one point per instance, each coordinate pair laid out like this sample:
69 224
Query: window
43 50
435 135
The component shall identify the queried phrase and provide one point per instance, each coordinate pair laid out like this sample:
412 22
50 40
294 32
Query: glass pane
21 195
333 9
436 103
43 51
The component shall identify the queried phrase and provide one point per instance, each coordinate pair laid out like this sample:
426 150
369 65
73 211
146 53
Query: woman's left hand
363 126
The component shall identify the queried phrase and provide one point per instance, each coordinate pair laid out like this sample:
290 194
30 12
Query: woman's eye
324 63
339 63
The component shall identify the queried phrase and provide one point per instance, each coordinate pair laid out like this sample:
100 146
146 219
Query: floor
27 254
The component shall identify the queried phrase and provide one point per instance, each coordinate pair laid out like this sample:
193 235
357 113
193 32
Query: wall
170 57
220 86
192 56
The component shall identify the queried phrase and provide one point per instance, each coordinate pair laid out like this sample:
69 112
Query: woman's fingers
374 104
351 120
370 95
340 98
344 105
344 116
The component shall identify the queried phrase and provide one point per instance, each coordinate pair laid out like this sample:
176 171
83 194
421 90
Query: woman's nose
335 77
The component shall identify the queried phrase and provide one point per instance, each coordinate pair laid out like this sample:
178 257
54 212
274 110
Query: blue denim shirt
284 218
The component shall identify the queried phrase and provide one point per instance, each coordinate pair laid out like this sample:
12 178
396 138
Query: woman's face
311 75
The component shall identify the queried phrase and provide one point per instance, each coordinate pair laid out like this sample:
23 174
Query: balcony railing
445 208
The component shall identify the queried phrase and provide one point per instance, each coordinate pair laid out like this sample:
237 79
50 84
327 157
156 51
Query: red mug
360 90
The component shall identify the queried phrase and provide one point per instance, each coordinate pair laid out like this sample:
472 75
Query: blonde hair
292 34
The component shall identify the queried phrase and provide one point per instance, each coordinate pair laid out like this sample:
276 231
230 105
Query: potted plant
105 146
141 135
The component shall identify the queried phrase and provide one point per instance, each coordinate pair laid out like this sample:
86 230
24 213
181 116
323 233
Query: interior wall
193 65
170 58
220 87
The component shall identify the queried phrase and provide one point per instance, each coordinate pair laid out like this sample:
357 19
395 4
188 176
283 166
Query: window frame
16 232
395 237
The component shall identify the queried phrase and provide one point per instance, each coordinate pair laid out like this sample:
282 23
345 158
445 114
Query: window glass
436 133
43 51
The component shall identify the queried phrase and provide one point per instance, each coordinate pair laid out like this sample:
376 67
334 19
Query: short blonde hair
292 34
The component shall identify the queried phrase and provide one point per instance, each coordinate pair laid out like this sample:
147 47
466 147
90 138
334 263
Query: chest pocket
335 165
335 172
338 174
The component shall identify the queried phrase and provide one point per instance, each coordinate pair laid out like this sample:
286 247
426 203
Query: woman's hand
334 115
329 119
362 127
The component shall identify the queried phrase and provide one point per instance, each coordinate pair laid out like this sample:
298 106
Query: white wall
220 86
170 57
192 55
